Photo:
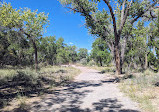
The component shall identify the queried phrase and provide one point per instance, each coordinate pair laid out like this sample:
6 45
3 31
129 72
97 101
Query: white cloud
70 43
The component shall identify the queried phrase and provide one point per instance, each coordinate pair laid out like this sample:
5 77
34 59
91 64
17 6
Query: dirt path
90 92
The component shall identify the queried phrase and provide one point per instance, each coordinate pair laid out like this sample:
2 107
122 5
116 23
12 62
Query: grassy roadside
142 88
20 86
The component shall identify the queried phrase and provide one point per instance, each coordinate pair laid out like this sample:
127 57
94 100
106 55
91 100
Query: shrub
91 63
83 61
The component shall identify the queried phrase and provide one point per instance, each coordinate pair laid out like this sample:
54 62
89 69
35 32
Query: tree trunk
100 61
146 61
117 56
36 59
36 55
35 49
122 54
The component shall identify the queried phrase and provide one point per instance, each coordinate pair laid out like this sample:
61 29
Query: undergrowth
25 83
142 88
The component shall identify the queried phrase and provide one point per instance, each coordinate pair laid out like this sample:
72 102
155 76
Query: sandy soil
90 92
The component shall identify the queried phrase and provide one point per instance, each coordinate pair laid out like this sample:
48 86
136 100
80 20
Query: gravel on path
91 91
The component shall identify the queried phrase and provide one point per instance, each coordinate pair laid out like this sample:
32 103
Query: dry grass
110 70
142 89
17 85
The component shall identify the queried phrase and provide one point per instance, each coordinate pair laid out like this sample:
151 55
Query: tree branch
143 12
88 15
122 12
114 21
124 17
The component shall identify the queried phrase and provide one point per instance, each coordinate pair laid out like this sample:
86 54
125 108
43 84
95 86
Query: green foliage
91 63
153 43
72 53
100 52
9 17
82 53
137 46
96 21
123 38
21 29
22 41
61 52
83 61
47 50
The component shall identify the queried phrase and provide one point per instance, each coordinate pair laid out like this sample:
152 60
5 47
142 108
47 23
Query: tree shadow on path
69 99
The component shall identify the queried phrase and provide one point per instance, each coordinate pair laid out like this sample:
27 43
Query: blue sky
64 24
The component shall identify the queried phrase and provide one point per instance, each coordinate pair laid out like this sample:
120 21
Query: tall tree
61 52
130 11
34 24
29 24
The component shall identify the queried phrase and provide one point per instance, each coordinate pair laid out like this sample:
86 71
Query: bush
26 82
91 63
83 61
146 79
148 72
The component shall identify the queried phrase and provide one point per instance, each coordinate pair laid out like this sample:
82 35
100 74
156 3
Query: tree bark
117 56
35 49
100 61
122 54
146 60
36 55
117 39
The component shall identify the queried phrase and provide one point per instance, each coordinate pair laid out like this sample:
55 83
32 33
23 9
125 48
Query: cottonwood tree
153 43
136 49
61 51
28 24
48 49
33 27
82 53
72 53
10 41
100 52
97 21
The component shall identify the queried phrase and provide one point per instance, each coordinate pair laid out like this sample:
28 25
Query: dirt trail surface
90 92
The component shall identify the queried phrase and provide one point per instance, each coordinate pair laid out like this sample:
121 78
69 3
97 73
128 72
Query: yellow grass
142 90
